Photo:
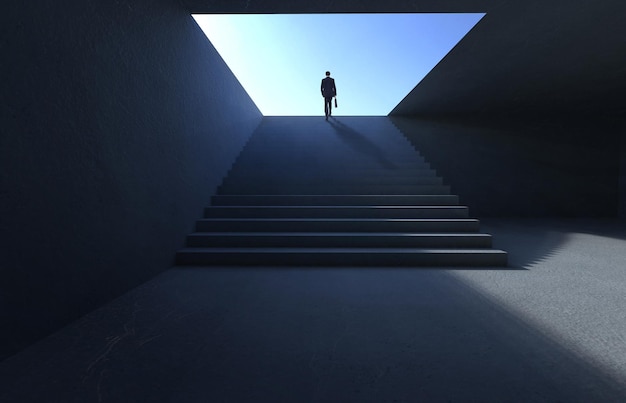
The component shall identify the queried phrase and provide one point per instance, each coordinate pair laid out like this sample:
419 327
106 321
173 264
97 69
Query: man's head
327 73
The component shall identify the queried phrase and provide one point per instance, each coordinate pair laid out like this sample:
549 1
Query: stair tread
339 234
334 200
338 196
420 207
304 219
296 195
386 250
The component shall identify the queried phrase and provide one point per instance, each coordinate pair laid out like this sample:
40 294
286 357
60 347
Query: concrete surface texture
117 126
527 166
552 330
622 173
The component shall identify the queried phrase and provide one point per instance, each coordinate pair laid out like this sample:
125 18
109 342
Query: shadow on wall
523 168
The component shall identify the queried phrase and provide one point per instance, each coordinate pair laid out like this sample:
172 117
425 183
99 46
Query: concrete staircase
350 191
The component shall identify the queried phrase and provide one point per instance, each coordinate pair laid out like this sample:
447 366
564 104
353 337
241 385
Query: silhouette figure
328 92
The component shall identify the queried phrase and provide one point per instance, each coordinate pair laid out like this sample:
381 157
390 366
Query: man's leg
327 107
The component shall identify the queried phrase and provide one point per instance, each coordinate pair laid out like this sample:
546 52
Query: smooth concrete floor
550 328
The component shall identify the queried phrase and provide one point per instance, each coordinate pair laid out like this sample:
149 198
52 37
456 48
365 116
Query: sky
375 59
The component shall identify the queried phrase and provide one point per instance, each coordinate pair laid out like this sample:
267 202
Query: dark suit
328 92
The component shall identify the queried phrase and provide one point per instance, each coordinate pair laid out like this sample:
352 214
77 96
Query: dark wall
118 121
531 57
622 173
542 166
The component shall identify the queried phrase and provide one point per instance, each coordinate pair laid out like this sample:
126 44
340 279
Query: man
328 92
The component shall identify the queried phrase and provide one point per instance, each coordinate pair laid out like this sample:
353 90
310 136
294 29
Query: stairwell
351 191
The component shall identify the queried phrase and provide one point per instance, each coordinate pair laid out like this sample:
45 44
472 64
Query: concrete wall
521 166
622 173
118 122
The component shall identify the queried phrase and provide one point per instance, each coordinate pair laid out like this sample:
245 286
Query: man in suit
328 92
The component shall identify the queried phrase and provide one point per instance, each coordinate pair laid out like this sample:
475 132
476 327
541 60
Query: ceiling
531 56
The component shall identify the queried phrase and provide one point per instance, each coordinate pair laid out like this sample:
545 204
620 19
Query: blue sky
375 59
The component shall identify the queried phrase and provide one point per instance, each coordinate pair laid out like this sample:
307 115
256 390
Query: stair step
336 225
409 257
336 211
339 240
338 179
281 188
332 173
334 200
305 163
